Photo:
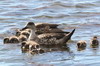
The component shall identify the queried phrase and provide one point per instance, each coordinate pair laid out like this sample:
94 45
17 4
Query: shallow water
83 15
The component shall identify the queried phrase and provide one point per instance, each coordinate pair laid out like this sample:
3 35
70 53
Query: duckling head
14 39
81 45
23 44
6 40
25 47
95 38
25 33
22 38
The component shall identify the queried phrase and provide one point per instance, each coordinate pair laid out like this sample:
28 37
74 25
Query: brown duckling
81 45
22 38
25 32
6 40
94 42
30 46
15 39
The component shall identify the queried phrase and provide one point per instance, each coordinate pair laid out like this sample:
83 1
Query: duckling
30 46
12 39
47 38
81 45
6 40
15 39
22 38
25 32
94 42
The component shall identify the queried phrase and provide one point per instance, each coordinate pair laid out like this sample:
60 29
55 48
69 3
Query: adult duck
48 38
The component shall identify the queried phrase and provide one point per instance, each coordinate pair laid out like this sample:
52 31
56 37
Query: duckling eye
23 44
17 33
37 46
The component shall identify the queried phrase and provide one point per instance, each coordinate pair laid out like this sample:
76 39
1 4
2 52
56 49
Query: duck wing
51 35
41 25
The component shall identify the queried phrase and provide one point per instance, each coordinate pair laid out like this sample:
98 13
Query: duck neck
32 36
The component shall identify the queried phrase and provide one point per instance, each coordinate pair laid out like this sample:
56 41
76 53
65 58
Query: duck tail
67 37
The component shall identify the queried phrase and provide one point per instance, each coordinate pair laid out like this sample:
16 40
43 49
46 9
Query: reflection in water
95 51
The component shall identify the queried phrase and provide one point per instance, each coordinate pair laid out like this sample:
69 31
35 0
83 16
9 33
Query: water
83 15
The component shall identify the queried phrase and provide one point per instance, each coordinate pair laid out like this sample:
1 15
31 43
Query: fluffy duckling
15 39
25 32
81 45
29 46
47 38
32 47
22 38
94 42
6 40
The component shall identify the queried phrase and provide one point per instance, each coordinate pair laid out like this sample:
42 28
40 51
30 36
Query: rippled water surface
84 15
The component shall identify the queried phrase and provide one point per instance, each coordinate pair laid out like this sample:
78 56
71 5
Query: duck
81 45
48 39
46 28
15 39
94 43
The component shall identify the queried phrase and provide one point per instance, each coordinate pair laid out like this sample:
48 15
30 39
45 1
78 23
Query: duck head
30 25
